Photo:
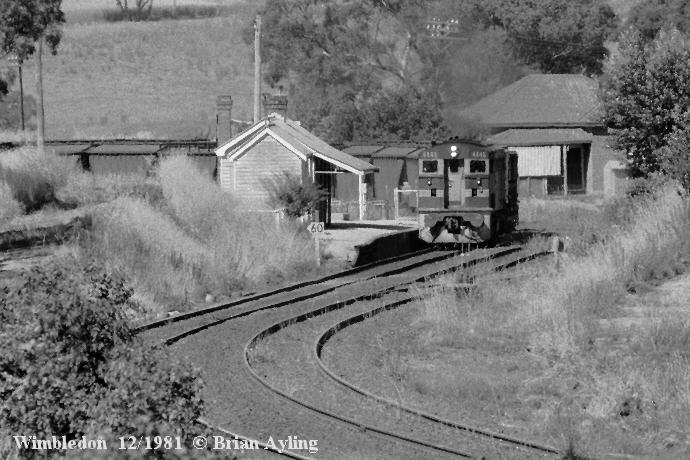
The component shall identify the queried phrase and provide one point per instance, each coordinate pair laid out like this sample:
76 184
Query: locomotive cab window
477 166
429 167
455 165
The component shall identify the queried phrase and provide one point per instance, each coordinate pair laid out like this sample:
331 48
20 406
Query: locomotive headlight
428 182
479 182
453 151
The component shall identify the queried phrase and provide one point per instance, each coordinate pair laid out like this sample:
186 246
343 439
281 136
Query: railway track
241 407
320 386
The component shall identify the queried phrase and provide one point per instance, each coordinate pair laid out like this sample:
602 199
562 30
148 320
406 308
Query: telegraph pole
40 114
257 68
15 59
21 95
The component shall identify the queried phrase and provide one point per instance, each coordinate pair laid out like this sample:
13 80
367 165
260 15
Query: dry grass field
591 353
176 237
146 79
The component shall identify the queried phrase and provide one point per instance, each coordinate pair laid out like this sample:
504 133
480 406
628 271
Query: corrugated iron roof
125 149
298 138
541 100
547 136
394 152
362 150
67 149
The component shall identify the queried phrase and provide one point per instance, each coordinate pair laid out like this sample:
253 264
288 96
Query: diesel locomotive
467 192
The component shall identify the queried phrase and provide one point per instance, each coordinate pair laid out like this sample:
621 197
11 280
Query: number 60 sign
315 227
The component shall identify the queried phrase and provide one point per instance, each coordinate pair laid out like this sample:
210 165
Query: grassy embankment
146 79
586 353
176 237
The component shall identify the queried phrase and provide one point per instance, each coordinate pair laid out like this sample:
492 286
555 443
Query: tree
675 155
554 36
23 22
650 16
70 365
140 12
404 114
647 97
342 55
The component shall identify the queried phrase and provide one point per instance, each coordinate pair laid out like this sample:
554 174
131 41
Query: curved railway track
359 408
237 401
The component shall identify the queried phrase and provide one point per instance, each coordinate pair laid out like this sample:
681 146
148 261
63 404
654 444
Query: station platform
344 240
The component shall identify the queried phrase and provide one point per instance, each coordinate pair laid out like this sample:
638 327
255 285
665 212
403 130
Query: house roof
297 139
541 100
362 150
549 136
125 149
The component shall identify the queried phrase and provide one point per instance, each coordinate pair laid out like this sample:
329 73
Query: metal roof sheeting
362 150
541 100
526 137
299 139
67 149
394 152
125 149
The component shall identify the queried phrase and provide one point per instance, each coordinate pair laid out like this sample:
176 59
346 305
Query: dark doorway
576 165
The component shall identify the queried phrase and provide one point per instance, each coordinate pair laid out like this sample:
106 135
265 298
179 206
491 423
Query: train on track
467 192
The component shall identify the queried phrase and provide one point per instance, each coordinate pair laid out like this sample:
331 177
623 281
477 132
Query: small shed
276 144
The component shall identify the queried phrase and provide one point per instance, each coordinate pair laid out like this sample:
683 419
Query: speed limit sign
315 227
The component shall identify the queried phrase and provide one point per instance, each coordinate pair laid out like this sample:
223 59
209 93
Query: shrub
69 364
33 177
295 196
55 338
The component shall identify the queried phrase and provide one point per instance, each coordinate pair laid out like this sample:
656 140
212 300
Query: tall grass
196 242
9 206
35 177
608 387
246 246
159 256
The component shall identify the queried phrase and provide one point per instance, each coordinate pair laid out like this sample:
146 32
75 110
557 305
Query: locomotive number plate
429 154
479 154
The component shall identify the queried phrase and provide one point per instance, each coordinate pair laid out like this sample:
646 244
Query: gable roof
295 138
548 136
541 100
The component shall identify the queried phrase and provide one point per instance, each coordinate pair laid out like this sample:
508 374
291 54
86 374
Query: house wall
121 164
600 154
262 162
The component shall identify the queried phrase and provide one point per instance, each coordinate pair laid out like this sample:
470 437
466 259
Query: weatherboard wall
262 162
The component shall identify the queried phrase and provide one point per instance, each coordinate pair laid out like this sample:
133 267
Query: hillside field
149 79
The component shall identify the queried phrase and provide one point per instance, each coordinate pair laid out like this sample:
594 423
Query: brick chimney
274 104
223 119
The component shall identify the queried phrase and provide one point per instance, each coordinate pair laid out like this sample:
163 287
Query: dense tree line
362 69
647 100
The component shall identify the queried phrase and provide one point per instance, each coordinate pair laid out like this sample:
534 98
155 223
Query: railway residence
554 123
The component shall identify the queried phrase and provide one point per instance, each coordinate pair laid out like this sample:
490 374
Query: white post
396 203
317 248
362 197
